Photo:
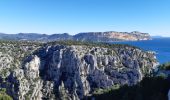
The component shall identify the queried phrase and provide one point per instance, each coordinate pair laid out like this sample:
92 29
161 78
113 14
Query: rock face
88 36
73 72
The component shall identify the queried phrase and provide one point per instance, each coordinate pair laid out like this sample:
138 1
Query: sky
74 16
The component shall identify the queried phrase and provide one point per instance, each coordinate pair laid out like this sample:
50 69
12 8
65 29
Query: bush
3 95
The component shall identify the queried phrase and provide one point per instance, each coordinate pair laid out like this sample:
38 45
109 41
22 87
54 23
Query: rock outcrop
57 71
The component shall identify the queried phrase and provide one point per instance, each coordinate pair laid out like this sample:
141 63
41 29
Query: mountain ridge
108 36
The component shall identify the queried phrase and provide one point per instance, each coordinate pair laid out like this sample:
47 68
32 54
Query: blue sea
160 45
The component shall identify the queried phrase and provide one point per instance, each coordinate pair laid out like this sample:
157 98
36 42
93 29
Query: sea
159 45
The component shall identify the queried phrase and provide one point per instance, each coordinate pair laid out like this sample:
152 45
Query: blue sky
74 16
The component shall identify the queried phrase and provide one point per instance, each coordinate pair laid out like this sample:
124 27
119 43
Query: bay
160 45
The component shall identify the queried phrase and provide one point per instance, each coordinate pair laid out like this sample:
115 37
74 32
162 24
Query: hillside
153 87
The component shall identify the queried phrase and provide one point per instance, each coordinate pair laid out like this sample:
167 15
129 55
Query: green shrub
3 95
103 91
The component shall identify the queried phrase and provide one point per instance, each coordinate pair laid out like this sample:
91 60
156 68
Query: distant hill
86 36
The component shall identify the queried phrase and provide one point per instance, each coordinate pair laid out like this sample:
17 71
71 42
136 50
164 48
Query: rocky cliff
112 36
69 70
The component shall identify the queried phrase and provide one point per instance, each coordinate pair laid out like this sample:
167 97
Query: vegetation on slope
91 44
3 95
150 88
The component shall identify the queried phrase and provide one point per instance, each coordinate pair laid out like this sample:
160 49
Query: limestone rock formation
72 72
